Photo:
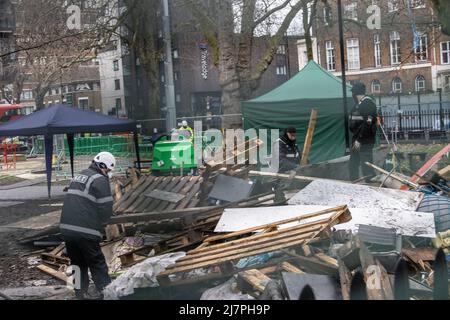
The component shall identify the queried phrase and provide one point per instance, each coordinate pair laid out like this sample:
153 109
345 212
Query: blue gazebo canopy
62 119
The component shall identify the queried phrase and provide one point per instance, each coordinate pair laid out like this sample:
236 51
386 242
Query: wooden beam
52 272
288 267
309 137
345 278
253 278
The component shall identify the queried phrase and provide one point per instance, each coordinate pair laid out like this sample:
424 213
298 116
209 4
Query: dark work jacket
364 131
288 155
87 206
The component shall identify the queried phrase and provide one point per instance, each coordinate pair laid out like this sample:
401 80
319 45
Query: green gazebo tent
291 104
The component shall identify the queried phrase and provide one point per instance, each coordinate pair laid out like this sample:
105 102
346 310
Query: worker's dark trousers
358 160
87 254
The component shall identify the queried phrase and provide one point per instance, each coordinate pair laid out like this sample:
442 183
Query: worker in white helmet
87 207
186 131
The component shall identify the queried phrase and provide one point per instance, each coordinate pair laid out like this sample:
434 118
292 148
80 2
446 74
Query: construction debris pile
226 234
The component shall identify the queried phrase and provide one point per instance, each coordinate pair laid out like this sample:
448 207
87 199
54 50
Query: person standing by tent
288 155
87 207
363 125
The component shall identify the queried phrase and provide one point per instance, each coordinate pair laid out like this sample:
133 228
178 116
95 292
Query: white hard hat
184 123
107 159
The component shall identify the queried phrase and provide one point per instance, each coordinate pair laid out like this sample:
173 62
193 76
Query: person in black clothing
288 153
87 207
363 125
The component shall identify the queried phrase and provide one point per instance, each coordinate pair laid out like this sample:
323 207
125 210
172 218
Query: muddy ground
14 268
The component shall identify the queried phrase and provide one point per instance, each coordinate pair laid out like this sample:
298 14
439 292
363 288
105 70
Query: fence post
399 113
420 110
441 109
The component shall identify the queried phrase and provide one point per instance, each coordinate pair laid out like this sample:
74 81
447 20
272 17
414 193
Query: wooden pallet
140 197
215 252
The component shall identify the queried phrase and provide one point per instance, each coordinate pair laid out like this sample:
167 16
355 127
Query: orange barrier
7 150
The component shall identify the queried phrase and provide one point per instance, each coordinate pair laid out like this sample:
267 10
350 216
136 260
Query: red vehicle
9 112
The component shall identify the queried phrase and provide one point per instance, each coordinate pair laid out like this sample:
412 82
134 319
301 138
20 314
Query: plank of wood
327 259
287 176
52 272
176 269
445 172
242 248
288 267
165 196
255 279
130 193
189 196
314 266
179 183
130 197
161 204
427 166
298 230
393 176
309 137
345 278
343 211
150 204
139 198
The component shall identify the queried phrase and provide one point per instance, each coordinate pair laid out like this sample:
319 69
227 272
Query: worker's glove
357 145
369 120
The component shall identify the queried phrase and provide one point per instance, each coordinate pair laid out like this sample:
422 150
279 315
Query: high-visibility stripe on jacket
87 206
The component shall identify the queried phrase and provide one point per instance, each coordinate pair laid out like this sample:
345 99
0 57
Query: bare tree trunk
307 30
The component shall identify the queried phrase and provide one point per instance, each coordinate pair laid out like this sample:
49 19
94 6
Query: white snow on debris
330 193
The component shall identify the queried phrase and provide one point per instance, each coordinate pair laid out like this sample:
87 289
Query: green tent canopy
290 105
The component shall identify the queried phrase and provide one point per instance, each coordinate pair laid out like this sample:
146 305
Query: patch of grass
6 180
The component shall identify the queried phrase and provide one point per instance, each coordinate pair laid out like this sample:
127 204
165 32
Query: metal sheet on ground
324 287
335 193
408 223
231 189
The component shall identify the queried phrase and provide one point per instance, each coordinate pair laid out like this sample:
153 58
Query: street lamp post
344 78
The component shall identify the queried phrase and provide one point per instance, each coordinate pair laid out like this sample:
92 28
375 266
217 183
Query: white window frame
281 49
351 11
393 5
395 83
420 83
281 70
421 53
326 15
116 66
418 4
376 84
353 57
446 52
377 50
394 42
331 57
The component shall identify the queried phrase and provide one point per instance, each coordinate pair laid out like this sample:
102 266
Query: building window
395 47
417 4
393 5
353 54
281 71
376 86
116 65
176 76
377 47
83 103
331 61
421 49
178 98
175 54
397 85
281 49
56 90
117 84
350 11
420 83
445 52
327 15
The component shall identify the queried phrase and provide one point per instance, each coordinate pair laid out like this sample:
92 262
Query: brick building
7 28
392 59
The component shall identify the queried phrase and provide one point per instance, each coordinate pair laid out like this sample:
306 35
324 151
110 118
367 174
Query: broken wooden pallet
146 195
269 238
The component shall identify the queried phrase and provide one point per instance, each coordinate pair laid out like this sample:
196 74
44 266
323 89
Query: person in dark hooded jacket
288 154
